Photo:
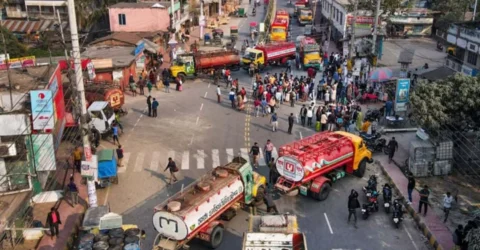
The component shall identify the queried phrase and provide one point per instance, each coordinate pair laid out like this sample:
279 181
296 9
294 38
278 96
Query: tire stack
116 239
86 242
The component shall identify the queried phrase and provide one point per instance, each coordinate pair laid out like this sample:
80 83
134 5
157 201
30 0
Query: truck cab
305 16
253 55
310 53
102 116
279 30
183 66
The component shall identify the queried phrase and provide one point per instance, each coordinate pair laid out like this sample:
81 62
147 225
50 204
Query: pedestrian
255 152
268 151
119 156
166 83
53 220
268 200
231 97
274 121
149 105
149 87
292 98
273 173
392 147
96 136
73 190
291 119
115 133
172 166
154 107
447 205
353 204
133 88
388 108
303 114
219 94
323 121
424 193
77 158
410 186
458 237
309 116
141 86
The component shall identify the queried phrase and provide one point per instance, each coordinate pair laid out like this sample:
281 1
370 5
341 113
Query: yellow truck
310 53
305 16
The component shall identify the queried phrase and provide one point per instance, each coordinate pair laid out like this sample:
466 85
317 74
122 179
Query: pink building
138 17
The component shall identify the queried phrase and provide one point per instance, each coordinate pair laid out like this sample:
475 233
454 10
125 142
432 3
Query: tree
452 11
14 47
450 104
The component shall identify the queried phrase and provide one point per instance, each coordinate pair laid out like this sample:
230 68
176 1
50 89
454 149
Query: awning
437 74
26 27
150 46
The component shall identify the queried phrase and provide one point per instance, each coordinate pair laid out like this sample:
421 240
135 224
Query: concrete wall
139 19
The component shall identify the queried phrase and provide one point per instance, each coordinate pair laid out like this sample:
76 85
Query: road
199 134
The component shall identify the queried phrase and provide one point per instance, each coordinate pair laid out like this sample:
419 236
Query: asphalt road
200 134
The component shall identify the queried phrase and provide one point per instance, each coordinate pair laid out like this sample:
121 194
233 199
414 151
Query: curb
422 226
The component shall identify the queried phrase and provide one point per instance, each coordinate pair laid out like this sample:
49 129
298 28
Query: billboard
365 22
402 95
20 62
43 152
42 109
55 85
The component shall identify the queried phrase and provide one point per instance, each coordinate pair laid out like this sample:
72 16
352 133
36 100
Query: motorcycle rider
254 11
372 183
353 204
387 192
397 208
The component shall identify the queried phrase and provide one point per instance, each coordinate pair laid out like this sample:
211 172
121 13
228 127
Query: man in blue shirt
274 121
72 188
154 107
388 108
115 133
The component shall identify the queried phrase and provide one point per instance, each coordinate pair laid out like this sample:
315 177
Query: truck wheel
323 193
362 166
216 237
182 77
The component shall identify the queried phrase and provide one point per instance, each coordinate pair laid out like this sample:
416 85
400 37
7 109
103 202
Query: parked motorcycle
379 145
371 187
397 215
370 139
387 197
439 46
371 206
373 114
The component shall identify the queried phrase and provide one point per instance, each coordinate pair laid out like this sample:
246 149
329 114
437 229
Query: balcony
45 3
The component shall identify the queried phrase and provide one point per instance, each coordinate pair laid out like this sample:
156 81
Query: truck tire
216 237
362 166
323 193
182 77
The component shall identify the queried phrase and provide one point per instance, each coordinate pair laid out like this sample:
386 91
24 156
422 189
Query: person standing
309 116
291 120
172 166
77 158
323 121
268 151
133 88
219 94
119 156
166 83
392 147
268 200
149 87
388 108
424 193
141 86
272 174
411 186
73 190
231 97
255 152
303 114
274 121
447 205
353 204
115 134
154 107
458 237
96 136
292 98
149 105
53 220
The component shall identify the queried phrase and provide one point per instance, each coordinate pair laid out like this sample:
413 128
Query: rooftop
121 56
127 37
141 5
26 79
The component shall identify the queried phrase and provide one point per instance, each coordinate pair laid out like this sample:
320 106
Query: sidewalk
432 226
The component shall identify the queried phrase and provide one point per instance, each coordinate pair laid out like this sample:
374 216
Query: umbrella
381 74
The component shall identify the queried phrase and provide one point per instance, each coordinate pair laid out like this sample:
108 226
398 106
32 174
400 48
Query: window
472 58
341 18
122 20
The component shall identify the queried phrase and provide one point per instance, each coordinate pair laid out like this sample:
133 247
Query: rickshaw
233 33
107 168
253 29
217 32
207 39
217 39
241 12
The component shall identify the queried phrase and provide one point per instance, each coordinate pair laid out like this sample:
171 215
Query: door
98 121
247 178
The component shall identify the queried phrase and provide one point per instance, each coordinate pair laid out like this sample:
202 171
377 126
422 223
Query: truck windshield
250 55
278 30
305 13
108 111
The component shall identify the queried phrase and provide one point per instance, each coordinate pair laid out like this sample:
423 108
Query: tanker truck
269 54
194 212
191 64
274 232
311 166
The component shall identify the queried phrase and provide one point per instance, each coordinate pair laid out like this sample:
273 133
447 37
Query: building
36 9
464 47
413 22
146 16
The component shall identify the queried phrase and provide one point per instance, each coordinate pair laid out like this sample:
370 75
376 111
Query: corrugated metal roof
24 27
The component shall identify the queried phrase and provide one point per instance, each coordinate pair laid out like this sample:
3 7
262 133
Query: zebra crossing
186 160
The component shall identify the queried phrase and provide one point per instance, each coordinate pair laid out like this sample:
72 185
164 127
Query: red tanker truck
311 165
191 64
269 54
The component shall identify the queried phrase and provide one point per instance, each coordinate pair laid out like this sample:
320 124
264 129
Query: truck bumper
304 22
312 65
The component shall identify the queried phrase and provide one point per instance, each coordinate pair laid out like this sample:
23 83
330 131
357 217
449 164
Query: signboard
170 225
16 63
88 169
290 168
91 71
362 21
402 95
42 109
55 85
43 152
117 75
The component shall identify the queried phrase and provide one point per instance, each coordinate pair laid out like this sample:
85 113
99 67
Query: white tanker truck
194 212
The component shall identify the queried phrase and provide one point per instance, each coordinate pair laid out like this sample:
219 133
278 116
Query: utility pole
475 10
63 37
92 195
202 20
354 22
7 63
330 24
375 27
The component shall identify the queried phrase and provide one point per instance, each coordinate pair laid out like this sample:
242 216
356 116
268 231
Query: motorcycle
371 187
379 145
373 114
439 47
387 197
254 12
370 139
371 206
397 215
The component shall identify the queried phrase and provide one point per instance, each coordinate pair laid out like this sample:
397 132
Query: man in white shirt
219 94
447 205
309 116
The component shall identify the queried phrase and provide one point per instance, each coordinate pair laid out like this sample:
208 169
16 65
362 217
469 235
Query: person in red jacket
53 220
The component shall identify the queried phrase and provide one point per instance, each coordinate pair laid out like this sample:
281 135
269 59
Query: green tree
452 11
14 47
450 103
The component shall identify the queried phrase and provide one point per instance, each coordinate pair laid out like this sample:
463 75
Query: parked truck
279 30
309 52
269 54
304 15
191 64
313 164
274 232
194 212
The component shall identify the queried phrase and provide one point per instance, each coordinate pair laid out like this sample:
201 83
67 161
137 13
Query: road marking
301 136
230 154
205 96
244 154
215 158
139 162
126 157
328 223
410 236
155 161
201 107
198 118
298 121
209 85
185 160
200 159
191 140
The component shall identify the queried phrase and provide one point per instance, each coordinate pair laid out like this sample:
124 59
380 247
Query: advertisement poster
43 152
402 95
42 109
55 85
16 63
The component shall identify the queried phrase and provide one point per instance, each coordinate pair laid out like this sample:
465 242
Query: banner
16 63
365 22
42 109
402 95
56 86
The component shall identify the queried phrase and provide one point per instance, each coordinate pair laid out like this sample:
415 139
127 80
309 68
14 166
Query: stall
107 168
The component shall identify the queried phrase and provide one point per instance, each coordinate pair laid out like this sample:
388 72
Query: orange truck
311 166
280 26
